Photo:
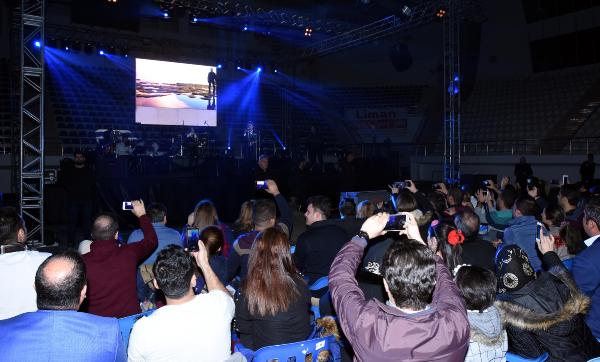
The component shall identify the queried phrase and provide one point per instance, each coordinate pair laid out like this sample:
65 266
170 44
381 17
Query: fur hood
527 319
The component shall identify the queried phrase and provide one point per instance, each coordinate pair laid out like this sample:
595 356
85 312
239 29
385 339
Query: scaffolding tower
452 82
31 157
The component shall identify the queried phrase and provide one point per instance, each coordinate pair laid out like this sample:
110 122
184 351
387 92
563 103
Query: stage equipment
31 158
452 141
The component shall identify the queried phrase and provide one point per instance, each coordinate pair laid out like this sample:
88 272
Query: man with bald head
57 332
112 269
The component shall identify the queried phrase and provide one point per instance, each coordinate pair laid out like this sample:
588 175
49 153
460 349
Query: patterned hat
513 269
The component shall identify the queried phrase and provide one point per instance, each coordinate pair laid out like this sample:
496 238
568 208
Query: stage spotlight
275 71
165 14
101 52
456 78
259 69
219 66
37 43
67 48
440 13
124 52
238 67
308 31
245 28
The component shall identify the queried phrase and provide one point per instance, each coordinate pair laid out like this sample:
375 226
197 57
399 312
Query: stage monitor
168 93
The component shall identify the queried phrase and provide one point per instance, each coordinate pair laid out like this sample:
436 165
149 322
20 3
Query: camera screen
396 222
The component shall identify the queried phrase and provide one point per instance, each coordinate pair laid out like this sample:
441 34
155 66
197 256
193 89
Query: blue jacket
166 236
586 272
50 335
521 231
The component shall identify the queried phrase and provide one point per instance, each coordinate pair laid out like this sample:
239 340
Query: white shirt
199 330
590 241
17 278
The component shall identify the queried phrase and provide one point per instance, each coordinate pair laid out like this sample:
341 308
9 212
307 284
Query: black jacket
479 252
317 247
293 325
546 315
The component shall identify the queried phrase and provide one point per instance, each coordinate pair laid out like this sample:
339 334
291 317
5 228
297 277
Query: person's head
409 274
568 196
477 286
406 202
12 227
263 214
244 220
455 196
205 213
591 217
553 215
60 282
525 206
318 209
213 238
513 270
79 158
263 162
157 212
365 209
105 227
571 235
507 198
174 272
438 202
347 208
272 286
445 238
468 222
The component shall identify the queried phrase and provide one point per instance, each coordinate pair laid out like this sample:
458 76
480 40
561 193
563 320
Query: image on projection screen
169 93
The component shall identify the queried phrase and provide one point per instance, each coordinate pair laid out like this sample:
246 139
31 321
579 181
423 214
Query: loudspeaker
400 57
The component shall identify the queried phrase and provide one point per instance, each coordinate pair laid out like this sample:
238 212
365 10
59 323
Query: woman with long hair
213 238
445 240
273 304
243 224
205 214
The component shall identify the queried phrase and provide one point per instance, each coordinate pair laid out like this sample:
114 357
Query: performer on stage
212 81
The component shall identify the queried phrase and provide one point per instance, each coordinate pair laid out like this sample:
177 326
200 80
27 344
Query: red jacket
379 332
112 270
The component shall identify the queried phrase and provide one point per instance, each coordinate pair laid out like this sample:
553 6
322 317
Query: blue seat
298 351
320 283
511 357
126 324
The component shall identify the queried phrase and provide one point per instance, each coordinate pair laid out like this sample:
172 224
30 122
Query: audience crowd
459 273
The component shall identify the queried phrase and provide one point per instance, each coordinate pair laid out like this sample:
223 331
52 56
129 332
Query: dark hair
321 203
571 235
78 152
508 196
272 283
347 208
105 227
212 237
457 194
571 193
450 254
406 202
54 293
468 222
477 286
438 201
10 224
409 270
555 214
173 271
156 211
592 211
263 210
526 205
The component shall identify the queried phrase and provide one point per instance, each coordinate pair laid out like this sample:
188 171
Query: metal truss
452 82
31 175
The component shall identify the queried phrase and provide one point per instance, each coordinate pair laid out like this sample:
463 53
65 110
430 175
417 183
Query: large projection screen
168 93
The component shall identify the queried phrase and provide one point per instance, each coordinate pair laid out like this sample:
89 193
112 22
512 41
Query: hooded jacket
546 315
522 232
380 332
488 337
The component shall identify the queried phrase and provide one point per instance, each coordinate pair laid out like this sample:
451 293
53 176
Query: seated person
488 340
543 313
273 303
213 239
190 327
425 318
57 332
445 240
522 230
475 250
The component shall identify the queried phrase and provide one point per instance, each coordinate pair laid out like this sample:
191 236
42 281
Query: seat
320 283
126 324
511 357
299 351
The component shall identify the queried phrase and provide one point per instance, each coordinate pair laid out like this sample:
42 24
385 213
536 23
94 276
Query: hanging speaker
400 57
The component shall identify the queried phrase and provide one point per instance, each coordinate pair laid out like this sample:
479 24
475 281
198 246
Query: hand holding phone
261 185
127 205
192 235
565 179
395 222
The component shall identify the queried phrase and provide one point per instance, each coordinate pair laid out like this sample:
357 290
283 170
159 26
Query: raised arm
212 280
285 212
146 246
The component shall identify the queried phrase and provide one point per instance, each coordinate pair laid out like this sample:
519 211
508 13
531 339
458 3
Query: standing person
212 82
522 229
588 168
190 327
272 306
425 318
112 269
261 173
17 266
78 182
522 172
57 332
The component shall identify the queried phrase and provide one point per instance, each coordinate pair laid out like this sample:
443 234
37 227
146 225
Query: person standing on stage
212 82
